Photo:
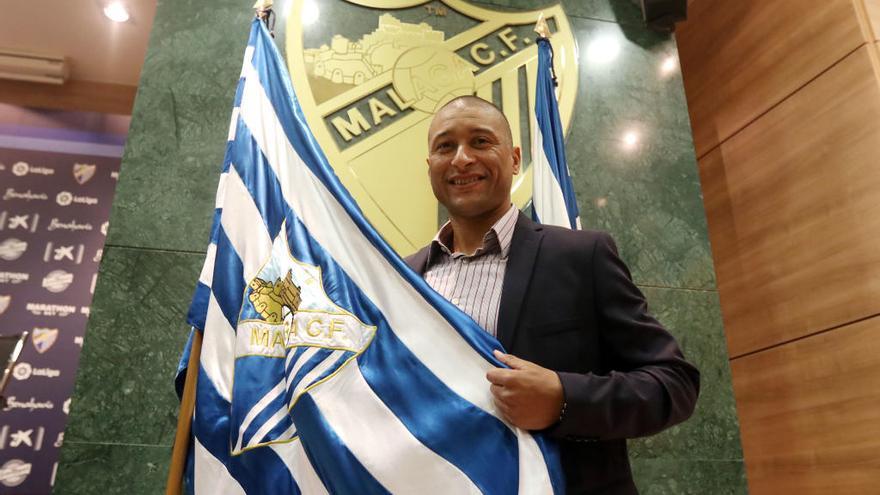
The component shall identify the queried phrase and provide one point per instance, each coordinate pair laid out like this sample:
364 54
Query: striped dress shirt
473 282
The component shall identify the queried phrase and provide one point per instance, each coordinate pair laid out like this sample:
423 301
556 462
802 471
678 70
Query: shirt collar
496 240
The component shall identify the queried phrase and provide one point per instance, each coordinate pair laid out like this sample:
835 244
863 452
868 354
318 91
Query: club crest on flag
287 315
44 338
83 172
370 95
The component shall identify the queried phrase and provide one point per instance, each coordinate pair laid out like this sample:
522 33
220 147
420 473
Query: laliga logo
65 198
22 168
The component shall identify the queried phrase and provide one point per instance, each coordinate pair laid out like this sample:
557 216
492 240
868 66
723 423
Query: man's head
471 158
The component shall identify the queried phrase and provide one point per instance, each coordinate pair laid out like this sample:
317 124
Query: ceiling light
116 12
630 140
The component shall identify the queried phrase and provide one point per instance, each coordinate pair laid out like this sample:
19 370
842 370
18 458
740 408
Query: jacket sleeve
650 386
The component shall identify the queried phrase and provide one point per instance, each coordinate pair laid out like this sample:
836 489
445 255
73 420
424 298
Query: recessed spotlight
310 12
630 139
116 12
669 64
603 50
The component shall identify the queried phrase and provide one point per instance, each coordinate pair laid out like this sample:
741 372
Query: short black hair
476 100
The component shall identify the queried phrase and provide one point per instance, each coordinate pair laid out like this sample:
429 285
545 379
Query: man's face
471 161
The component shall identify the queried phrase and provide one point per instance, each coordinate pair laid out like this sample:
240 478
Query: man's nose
463 157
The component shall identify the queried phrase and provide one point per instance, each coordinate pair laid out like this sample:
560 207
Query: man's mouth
463 181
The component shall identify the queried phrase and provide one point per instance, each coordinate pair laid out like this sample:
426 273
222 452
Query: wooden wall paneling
808 412
872 8
741 57
85 96
793 207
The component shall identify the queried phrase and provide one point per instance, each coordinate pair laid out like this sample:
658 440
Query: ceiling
97 48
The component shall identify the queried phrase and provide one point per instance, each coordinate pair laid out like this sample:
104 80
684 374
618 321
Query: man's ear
517 159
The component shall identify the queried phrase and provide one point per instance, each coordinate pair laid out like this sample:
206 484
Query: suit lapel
520 264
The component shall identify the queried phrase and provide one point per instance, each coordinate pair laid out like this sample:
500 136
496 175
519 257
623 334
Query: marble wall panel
137 329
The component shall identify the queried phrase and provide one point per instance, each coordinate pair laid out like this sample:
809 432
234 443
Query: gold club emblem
369 92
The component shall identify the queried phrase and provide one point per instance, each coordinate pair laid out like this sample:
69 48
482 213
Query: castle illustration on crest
353 62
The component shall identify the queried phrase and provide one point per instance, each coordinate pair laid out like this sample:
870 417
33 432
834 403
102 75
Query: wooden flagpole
184 419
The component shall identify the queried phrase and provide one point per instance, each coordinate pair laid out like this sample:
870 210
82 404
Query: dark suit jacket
569 304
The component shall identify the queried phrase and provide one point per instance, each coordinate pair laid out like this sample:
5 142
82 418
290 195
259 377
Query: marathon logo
23 168
41 309
12 194
73 226
66 198
14 277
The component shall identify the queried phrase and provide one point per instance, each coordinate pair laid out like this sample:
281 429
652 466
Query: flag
327 365
553 200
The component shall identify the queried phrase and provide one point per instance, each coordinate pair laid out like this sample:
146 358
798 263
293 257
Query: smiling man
587 363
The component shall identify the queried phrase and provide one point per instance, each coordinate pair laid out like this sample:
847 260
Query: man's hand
528 396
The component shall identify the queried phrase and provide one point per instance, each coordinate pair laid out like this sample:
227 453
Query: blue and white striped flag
327 365
553 200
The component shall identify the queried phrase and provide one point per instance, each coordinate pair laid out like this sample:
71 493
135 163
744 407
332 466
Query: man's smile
465 180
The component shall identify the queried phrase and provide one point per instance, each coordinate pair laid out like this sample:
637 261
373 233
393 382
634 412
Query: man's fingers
511 360
499 376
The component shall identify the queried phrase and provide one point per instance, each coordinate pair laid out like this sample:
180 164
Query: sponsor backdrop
629 147
54 207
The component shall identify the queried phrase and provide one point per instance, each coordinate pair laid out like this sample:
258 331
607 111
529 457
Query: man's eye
443 146
481 141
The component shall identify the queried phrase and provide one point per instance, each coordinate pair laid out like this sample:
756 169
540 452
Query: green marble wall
124 409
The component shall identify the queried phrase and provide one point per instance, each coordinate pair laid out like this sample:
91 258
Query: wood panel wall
84 96
784 99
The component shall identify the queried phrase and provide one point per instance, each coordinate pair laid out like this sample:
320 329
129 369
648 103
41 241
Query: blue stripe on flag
259 178
228 284
335 465
198 309
258 470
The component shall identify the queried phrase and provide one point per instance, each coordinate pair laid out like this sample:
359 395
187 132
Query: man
588 364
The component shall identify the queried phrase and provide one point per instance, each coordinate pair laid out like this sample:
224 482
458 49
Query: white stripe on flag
277 390
431 340
534 479
270 423
312 375
233 124
294 457
300 362
207 275
211 475
418 469
244 226
547 199
221 190
218 349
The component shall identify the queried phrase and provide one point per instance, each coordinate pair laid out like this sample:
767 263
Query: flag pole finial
264 12
541 27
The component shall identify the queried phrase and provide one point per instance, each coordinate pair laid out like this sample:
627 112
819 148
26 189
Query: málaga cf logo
370 87
290 337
